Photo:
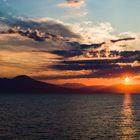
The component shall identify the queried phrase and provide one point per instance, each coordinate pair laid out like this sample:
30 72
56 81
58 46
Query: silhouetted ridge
25 84
22 77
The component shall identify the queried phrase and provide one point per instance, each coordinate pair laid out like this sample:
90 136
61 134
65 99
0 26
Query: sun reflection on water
127 123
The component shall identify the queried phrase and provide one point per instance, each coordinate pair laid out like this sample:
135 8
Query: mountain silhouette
101 89
25 84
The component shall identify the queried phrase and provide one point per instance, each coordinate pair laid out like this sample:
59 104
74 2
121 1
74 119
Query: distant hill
113 89
25 84
73 85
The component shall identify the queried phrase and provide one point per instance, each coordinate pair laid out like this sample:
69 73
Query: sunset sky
93 42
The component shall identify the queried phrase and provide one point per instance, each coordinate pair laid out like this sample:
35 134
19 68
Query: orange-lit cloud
64 58
72 3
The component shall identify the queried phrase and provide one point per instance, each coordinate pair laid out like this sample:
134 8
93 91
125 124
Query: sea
69 117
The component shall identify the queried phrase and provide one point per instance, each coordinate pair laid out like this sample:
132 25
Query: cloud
75 8
88 31
43 60
61 54
92 36
94 32
101 68
113 72
42 24
3 27
72 3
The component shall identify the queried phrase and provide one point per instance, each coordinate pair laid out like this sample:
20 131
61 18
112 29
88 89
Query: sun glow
127 80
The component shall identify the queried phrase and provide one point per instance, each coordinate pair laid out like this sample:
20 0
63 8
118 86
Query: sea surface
70 117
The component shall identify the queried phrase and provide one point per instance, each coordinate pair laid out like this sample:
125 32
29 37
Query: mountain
101 89
25 84
113 89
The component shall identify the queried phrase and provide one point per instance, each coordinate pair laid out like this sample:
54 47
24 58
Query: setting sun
127 80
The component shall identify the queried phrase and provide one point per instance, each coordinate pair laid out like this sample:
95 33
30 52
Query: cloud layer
51 49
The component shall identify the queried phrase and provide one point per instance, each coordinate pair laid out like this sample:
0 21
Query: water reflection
127 123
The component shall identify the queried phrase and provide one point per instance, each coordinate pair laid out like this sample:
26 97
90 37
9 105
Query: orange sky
96 81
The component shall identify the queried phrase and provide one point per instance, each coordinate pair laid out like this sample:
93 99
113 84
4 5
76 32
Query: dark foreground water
70 117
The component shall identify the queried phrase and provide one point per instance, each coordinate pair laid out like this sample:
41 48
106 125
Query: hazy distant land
25 84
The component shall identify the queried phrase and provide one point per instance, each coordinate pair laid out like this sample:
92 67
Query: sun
127 80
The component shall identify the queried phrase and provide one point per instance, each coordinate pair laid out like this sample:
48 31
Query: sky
123 14
92 42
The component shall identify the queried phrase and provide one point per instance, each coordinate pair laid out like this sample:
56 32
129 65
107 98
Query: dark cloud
75 67
43 25
90 64
67 53
123 39
107 68
113 72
